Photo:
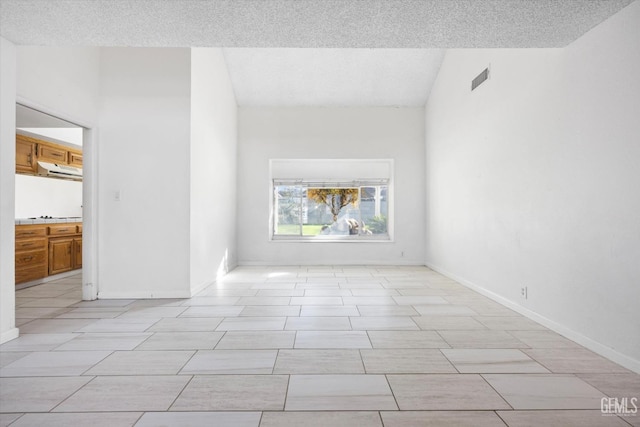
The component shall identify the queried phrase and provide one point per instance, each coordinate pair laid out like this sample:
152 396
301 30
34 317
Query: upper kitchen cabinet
30 151
26 155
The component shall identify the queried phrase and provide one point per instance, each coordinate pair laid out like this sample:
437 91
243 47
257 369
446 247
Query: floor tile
200 419
321 419
544 391
271 310
339 392
125 393
119 325
280 292
186 324
406 339
257 340
332 339
302 361
153 312
181 341
373 292
405 361
252 324
55 326
481 339
440 418
37 394
309 323
368 301
419 291
329 310
573 360
85 313
383 323
113 419
444 310
559 419
316 301
543 339
142 363
513 323
6 419
37 342
7 357
615 385
104 341
53 364
213 311
443 323
233 393
264 301
387 310
419 300
444 392
335 292
210 362
27 312
470 361
208 301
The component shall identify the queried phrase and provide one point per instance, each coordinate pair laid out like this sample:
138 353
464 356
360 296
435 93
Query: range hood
53 170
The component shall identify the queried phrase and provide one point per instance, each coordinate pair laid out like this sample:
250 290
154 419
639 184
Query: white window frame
371 171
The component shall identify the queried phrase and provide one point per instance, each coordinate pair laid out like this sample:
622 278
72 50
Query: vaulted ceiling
312 52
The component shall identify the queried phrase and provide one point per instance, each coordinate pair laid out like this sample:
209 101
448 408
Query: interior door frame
89 196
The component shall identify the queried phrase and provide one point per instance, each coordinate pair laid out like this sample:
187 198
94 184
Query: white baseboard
9 335
602 350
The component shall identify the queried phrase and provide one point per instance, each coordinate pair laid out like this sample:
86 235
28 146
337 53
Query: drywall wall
62 79
213 168
532 180
8 329
37 196
143 166
69 136
330 133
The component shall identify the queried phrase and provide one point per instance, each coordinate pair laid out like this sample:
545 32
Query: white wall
213 168
63 79
325 133
143 154
8 329
70 136
532 180
37 196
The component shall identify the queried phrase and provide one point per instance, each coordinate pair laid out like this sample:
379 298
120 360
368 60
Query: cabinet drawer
29 231
31 259
52 154
62 229
32 273
30 245
75 159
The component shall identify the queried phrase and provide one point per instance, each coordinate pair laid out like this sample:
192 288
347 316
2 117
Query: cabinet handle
28 258
62 230
28 232
26 245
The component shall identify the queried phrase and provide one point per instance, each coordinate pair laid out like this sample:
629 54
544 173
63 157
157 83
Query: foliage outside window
313 211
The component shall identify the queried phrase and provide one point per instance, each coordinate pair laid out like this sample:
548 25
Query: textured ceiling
303 23
353 77
356 52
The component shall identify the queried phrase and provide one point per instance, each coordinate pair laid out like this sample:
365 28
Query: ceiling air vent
484 75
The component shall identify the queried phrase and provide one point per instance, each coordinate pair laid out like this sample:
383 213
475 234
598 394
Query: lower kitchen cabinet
60 255
46 249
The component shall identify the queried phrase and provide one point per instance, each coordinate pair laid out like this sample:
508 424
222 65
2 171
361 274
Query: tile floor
293 346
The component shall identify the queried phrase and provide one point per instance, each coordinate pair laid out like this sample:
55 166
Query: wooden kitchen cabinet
60 255
47 249
77 251
75 159
26 155
52 154
31 261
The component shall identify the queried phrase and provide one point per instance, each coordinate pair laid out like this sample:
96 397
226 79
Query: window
356 210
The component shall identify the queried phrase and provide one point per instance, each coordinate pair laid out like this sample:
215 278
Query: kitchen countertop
27 221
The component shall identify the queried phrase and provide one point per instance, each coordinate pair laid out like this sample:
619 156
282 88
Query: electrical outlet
524 292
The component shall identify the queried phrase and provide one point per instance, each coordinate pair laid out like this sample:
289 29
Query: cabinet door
77 251
60 255
75 159
25 156
52 154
